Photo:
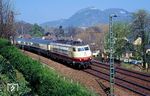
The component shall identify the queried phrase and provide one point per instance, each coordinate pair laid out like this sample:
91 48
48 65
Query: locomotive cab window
86 48
81 49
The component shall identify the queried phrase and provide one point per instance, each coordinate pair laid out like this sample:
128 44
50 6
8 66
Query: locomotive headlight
80 59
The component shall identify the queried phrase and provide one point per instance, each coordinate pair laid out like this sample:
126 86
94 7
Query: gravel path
80 76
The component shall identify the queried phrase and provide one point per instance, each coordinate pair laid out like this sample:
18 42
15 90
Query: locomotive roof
43 41
70 42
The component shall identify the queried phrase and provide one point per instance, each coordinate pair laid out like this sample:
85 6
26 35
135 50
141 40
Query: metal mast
111 61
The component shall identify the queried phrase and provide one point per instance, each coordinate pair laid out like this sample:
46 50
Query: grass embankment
43 81
9 75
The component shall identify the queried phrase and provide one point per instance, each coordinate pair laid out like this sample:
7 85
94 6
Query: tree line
126 33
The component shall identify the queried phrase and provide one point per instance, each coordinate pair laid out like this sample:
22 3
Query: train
72 52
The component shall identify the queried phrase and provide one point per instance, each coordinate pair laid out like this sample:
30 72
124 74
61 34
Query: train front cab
82 56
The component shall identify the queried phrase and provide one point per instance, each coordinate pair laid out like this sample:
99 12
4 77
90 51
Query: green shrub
4 42
44 81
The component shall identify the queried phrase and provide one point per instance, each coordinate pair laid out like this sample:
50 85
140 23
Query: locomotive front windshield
83 49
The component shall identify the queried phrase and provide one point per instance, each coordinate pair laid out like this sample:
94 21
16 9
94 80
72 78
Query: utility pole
111 61
61 32
143 44
22 31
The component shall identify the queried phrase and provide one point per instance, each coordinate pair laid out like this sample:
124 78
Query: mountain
91 16
53 23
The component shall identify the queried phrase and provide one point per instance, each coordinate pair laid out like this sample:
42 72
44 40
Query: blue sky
40 11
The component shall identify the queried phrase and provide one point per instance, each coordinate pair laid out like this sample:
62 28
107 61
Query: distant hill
91 16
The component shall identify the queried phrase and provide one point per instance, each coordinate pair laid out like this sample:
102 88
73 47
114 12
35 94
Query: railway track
130 80
142 76
121 81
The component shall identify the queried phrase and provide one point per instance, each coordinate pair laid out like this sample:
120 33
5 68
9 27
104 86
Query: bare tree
94 36
6 19
23 27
